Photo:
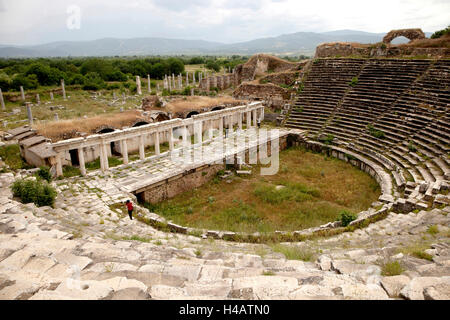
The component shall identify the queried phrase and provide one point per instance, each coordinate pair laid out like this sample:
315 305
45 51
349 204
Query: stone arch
104 129
411 34
140 123
192 113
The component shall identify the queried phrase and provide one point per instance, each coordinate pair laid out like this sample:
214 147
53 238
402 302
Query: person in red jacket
129 205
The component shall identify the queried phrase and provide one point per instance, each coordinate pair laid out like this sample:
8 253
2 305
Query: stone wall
345 49
171 187
261 92
281 78
259 65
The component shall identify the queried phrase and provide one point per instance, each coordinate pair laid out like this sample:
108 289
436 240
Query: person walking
129 205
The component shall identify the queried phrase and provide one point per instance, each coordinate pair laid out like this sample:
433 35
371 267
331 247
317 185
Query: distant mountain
288 44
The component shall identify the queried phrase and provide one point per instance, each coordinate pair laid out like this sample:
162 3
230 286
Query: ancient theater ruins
324 178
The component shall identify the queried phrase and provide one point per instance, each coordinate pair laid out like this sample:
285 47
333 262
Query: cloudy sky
41 21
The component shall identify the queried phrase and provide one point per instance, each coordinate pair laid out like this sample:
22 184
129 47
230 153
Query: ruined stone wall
261 92
173 186
345 49
411 34
259 65
281 78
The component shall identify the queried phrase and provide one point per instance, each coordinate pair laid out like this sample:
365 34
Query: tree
93 81
213 65
29 82
176 66
441 33
45 74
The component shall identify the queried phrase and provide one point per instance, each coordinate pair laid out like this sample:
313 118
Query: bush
391 268
36 191
346 217
354 82
44 173
440 33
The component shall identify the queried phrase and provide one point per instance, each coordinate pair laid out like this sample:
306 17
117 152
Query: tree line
95 73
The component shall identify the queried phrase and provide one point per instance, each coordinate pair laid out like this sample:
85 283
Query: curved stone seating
390 111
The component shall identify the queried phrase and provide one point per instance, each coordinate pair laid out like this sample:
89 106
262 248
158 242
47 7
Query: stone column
22 93
81 160
149 84
249 118
171 139
104 157
1 100
157 150
210 129
240 120
29 113
208 84
124 149
59 170
221 126
138 85
230 124
56 117
262 114
187 78
38 99
141 147
198 128
170 83
51 96
185 132
63 89
254 117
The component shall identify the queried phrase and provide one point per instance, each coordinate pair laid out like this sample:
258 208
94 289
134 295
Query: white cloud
37 21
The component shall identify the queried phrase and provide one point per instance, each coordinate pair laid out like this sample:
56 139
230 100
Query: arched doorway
192 113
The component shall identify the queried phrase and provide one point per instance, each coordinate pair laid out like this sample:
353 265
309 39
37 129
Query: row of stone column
198 134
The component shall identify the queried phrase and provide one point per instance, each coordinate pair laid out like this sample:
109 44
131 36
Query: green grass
391 268
95 165
253 203
433 230
69 171
10 154
294 252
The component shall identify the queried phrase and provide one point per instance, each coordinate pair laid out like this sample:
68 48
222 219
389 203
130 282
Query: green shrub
44 173
374 132
391 268
353 82
412 147
36 191
346 217
440 33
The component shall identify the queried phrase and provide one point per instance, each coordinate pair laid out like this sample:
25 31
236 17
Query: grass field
315 189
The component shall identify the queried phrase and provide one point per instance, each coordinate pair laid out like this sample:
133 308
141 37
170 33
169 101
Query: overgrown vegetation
44 173
346 217
301 197
35 191
353 82
441 33
391 268
294 252
10 154
374 132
